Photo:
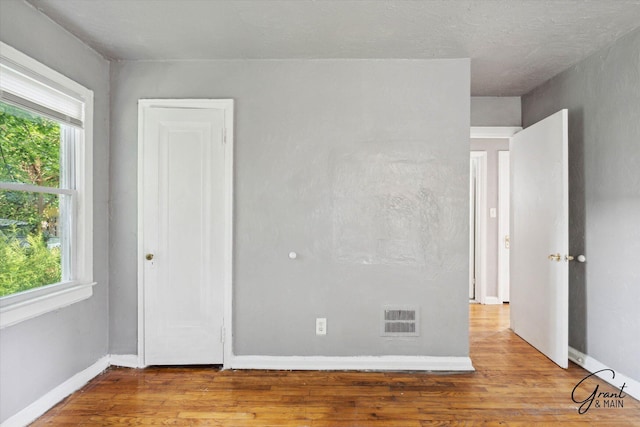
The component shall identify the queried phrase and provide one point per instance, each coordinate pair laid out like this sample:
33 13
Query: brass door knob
149 257
555 257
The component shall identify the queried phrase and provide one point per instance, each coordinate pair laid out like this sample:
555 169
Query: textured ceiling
514 45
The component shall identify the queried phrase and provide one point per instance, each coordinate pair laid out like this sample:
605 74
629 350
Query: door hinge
224 136
222 334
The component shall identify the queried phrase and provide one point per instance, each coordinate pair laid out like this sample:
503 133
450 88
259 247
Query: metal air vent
400 321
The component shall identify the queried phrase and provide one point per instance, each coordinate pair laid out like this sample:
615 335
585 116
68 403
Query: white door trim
227 106
493 132
481 225
504 200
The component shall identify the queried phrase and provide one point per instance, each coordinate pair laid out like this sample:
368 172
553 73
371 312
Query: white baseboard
49 400
359 363
125 360
492 300
631 386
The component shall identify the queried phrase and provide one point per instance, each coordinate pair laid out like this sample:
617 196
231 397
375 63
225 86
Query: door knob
555 257
149 257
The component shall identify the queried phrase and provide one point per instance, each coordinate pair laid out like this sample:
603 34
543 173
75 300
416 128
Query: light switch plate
321 326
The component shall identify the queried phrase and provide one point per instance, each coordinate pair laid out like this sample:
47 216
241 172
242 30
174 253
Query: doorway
184 231
489 214
538 163
504 214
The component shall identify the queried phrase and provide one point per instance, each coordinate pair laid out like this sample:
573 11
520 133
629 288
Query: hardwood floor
513 385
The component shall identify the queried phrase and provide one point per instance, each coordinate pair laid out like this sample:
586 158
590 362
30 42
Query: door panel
539 228
183 229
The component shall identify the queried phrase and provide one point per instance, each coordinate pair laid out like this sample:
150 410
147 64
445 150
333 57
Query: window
45 189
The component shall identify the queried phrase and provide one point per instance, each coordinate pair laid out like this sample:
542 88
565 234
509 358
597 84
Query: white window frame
25 305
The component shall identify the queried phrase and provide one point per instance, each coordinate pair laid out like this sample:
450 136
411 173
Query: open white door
540 236
182 231
478 227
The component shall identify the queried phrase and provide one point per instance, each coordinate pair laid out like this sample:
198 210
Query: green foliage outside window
29 239
27 265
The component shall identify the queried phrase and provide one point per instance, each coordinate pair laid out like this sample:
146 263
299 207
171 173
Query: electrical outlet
321 326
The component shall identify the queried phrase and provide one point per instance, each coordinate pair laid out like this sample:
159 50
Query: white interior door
540 236
478 227
183 233
472 228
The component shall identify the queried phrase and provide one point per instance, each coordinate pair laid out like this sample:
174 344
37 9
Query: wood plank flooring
513 385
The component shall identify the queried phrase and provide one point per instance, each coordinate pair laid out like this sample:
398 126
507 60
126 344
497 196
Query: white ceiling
514 45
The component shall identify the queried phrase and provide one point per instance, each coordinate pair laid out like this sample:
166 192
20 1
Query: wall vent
400 321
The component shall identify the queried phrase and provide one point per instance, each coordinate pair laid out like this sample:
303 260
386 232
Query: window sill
27 305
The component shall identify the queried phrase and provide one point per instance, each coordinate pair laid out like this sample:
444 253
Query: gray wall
360 166
491 146
495 111
602 94
39 354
